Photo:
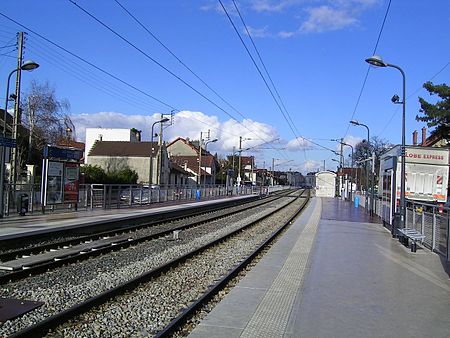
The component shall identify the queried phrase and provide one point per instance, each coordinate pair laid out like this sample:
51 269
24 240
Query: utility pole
273 171
16 121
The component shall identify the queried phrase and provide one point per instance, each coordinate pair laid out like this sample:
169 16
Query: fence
432 220
107 196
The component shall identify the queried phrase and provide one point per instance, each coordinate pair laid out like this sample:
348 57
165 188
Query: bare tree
46 119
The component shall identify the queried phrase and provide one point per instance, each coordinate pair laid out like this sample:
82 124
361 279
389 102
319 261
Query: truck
426 177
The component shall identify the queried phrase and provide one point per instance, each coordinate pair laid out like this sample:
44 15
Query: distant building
186 154
117 155
310 180
109 134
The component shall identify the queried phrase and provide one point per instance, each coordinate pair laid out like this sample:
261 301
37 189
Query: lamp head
164 120
376 61
395 99
29 65
215 140
354 122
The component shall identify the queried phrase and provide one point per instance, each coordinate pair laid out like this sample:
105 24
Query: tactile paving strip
271 317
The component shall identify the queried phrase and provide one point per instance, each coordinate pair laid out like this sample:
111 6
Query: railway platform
336 272
19 226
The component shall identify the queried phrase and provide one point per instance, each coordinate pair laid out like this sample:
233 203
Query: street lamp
357 123
28 66
150 176
240 155
351 176
206 144
378 62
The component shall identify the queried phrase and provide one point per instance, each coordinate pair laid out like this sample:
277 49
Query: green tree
93 174
436 114
123 176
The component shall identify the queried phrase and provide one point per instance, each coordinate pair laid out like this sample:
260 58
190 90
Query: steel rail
10 255
187 313
41 328
83 255
141 224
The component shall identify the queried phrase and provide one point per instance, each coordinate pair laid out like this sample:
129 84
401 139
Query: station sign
62 153
8 142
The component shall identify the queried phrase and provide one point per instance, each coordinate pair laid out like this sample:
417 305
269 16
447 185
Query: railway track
24 262
48 322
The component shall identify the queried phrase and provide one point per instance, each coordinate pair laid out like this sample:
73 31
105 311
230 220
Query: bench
406 234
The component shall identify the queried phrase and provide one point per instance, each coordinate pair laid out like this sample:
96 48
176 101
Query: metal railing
109 196
432 220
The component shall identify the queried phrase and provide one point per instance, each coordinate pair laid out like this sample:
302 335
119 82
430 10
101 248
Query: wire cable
368 67
89 63
265 81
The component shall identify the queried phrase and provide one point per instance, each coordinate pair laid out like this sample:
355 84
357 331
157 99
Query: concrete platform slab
359 282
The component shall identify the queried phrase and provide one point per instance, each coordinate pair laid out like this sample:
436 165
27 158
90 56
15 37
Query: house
248 169
109 134
117 155
435 140
186 154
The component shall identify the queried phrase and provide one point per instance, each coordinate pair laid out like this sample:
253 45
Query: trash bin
22 204
197 195
356 201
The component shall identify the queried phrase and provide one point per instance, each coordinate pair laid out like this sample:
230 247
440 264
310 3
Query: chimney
415 137
138 135
100 137
424 136
185 166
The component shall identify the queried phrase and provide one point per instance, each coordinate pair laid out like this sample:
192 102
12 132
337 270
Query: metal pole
13 174
150 176
403 153
239 163
199 177
3 151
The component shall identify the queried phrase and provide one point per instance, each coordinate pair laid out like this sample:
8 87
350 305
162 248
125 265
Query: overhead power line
265 81
88 62
159 64
178 59
368 67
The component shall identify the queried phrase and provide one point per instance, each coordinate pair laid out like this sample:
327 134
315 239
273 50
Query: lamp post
357 123
206 144
240 155
378 62
150 176
29 66
351 168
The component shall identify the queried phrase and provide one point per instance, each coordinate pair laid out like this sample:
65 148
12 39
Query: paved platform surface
336 273
16 226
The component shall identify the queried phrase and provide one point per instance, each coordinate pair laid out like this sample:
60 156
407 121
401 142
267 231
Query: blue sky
314 51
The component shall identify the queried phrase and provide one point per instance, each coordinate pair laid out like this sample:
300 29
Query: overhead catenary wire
368 67
88 62
178 59
411 95
264 80
124 39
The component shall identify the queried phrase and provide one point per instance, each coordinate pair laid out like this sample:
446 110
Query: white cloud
273 6
286 35
186 124
312 165
324 18
298 143
258 32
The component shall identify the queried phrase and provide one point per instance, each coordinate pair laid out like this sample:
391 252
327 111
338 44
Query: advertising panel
55 182
71 182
